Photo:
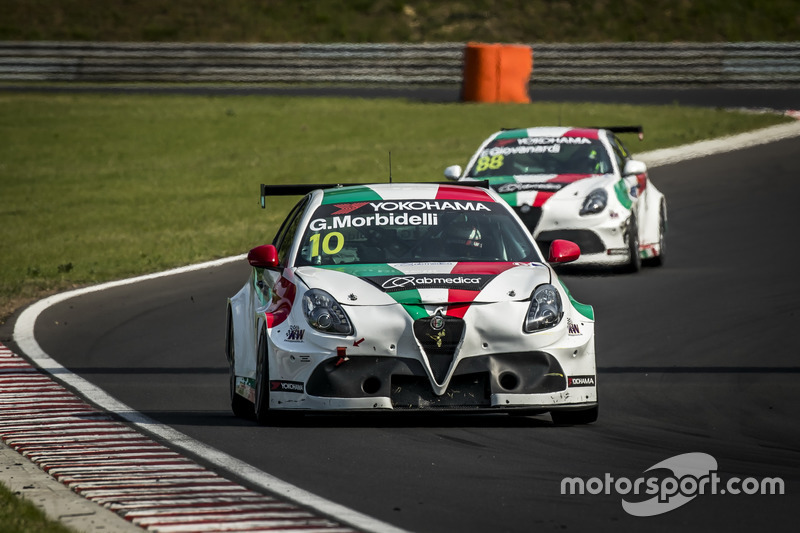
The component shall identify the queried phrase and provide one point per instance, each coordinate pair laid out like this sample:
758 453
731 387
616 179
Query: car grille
406 382
588 241
439 345
468 391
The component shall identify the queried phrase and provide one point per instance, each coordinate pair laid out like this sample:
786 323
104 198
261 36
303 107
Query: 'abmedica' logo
692 474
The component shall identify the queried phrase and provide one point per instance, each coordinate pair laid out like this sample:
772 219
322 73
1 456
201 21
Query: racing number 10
326 243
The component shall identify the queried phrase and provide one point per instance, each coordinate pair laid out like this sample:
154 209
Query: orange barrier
496 73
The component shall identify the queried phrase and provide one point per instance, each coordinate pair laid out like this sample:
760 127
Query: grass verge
18 515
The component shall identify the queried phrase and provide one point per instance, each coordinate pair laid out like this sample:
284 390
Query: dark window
285 236
620 152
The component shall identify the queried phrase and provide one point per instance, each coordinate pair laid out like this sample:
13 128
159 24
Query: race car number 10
326 243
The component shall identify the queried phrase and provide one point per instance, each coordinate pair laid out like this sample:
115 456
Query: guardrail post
496 73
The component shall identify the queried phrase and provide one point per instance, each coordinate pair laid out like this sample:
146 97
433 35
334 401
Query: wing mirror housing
562 251
634 168
264 256
453 172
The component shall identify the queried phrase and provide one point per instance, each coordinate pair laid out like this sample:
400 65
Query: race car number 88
494 162
326 243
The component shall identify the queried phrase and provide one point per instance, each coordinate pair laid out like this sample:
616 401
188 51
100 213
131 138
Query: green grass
97 188
18 515
407 21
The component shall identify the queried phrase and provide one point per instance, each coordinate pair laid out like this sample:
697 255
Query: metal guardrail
722 64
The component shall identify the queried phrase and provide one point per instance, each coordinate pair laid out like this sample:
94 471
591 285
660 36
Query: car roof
404 191
547 131
563 131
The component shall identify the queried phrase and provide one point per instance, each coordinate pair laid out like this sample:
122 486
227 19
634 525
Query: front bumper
530 380
602 238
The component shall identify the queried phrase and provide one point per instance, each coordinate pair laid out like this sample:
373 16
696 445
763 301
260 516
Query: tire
575 418
635 261
261 406
662 230
239 405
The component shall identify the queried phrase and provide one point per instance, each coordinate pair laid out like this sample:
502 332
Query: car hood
427 283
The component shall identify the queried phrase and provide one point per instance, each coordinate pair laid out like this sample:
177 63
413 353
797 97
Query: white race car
408 297
579 184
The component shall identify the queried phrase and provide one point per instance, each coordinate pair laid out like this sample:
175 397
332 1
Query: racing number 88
485 163
326 243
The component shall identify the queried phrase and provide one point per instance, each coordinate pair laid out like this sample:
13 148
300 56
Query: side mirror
264 256
562 251
453 172
634 168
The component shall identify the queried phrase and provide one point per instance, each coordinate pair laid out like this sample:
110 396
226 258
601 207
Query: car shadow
354 420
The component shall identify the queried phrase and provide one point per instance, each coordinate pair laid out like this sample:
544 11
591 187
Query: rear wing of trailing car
301 189
624 129
613 129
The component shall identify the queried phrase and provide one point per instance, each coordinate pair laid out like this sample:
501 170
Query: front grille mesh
439 345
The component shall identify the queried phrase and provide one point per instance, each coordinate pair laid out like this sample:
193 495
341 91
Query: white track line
24 337
729 143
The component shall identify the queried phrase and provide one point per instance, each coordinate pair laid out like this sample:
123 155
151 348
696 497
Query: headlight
545 310
324 313
594 202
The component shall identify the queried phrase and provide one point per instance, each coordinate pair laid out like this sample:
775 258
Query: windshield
406 231
541 155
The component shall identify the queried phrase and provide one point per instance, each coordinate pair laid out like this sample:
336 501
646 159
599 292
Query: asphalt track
697 356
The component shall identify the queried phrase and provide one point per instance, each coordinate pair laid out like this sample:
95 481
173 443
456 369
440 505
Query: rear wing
624 129
613 129
302 189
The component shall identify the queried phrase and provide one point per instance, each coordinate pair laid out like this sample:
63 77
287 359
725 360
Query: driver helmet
462 237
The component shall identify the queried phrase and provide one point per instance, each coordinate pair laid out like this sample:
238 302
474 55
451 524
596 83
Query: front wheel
635 260
239 405
662 230
261 405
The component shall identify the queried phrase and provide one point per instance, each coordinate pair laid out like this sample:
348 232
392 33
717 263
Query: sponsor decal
573 328
392 219
533 145
471 282
428 205
507 188
246 387
530 141
295 334
286 386
503 151
580 381
391 213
